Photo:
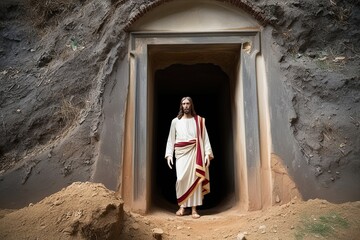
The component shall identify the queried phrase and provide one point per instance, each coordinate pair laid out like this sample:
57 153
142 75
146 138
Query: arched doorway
159 50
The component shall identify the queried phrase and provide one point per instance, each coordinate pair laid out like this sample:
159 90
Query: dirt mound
80 211
90 211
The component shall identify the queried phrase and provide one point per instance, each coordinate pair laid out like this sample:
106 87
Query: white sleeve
171 140
208 150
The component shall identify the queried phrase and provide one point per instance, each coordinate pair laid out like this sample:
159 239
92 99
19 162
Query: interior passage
209 87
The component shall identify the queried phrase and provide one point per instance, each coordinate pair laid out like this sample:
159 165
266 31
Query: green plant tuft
323 226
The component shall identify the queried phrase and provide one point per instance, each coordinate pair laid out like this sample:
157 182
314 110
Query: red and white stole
201 170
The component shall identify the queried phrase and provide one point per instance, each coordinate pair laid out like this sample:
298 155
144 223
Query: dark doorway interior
209 87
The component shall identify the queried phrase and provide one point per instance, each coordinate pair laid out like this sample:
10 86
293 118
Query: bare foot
194 213
180 212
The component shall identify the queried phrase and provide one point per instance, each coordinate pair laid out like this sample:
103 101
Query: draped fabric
189 139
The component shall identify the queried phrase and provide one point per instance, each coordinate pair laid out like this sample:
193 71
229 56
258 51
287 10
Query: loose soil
90 211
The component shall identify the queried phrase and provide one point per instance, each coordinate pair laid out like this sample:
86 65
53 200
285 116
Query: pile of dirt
90 211
80 211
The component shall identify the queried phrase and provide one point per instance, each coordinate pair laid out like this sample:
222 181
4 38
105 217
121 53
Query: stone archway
235 52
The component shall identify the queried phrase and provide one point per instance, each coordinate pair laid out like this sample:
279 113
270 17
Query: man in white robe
189 138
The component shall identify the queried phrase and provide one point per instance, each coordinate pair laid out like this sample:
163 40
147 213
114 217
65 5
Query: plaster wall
195 16
283 144
109 167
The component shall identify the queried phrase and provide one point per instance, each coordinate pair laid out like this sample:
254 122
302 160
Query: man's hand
207 161
169 161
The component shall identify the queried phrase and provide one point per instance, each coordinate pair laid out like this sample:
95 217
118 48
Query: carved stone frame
245 110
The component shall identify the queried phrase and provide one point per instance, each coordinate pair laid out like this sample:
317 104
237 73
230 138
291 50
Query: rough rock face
51 83
56 61
319 63
80 211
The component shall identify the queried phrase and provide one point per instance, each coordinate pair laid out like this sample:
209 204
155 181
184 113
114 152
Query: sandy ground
297 220
90 211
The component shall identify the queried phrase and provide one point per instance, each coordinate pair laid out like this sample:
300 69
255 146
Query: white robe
184 130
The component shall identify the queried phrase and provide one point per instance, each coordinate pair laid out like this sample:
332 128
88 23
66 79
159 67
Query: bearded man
189 138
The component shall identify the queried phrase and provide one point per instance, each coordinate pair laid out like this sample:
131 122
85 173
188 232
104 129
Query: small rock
179 228
291 227
241 236
18 110
318 171
262 229
68 230
157 233
277 199
31 204
135 226
44 59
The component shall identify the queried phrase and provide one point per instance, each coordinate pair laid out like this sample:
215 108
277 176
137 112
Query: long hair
181 110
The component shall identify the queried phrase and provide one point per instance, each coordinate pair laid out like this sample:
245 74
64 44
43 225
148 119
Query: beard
186 110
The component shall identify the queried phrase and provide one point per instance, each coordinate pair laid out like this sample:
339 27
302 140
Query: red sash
200 164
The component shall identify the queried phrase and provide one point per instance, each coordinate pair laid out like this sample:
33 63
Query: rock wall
56 67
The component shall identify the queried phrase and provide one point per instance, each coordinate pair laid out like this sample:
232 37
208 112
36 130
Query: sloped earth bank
81 211
90 211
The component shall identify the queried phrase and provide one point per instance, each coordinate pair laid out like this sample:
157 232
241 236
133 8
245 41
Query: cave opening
219 73
210 88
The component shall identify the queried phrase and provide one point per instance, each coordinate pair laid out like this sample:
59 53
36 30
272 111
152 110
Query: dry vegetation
43 12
